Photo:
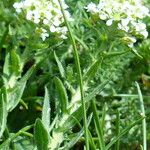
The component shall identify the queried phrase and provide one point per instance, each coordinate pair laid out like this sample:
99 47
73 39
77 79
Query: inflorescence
128 14
47 14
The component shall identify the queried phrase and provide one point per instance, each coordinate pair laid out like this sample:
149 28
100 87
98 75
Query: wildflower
128 15
47 14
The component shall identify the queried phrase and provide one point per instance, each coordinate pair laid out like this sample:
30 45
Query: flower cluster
128 15
45 13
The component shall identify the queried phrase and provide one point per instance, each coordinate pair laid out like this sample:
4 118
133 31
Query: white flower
18 6
53 28
44 34
129 40
127 13
46 12
144 33
92 8
109 22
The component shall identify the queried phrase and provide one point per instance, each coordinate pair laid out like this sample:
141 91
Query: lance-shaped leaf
90 73
12 64
62 95
3 112
46 110
15 95
41 135
60 66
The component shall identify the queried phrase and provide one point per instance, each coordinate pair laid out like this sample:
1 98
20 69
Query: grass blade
77 62
98 126
143 114
92 144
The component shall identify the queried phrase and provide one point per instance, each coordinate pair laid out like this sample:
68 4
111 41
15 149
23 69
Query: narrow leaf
60 66
41 135
143 114
46 110
3 113
91 141
92 70
77 136
12 64
97 90
15 95
62 95
98 126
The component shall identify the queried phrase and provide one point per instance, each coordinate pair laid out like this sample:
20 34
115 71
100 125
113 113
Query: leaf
46 110
12 64
143 114
98 126
15 95
3 113
63 98
61 69
91 141
92 70
96 90
41 135
81 42
12 69
77 136
136 53
71 120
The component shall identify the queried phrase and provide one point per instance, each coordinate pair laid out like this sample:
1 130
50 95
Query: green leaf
63 98
76 136
46 110
41 135
98 126
92 70
12 64
12 69
91 141
3 113
60 66
12 30
15 95
71 120
96 90
143 114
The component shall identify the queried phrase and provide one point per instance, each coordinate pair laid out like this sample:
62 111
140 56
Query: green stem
77 62
143 114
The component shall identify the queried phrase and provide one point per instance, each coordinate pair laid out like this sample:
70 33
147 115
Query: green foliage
83 84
